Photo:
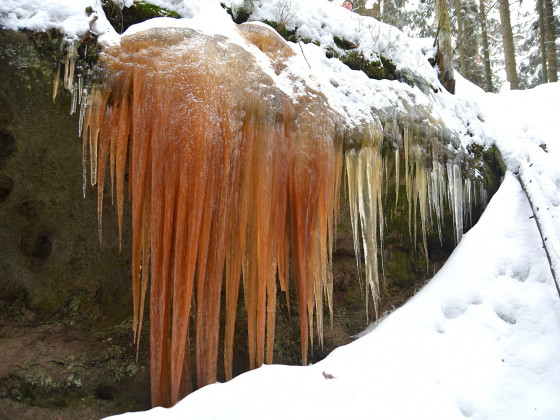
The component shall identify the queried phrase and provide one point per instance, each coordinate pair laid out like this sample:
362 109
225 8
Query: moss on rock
122 18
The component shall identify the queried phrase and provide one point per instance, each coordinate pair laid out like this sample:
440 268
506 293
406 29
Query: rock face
65 300
50 255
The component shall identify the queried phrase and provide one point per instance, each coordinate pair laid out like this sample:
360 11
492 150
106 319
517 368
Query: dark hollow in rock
6 187
7 145
37 245
32 208
105 392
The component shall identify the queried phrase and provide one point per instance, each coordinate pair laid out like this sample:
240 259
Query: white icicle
351 172
455 198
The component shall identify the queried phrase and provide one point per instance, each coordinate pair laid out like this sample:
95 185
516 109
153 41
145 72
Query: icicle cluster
224 171
433 176
76 87
74 83
229 177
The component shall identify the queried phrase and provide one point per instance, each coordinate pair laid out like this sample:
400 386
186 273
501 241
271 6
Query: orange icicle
123 133
263 203
236 247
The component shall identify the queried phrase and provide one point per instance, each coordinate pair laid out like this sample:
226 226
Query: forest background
496 44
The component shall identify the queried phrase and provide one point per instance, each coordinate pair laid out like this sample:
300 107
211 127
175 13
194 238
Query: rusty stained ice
225 171
229 177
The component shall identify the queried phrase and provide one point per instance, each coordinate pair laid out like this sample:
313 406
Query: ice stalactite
226 174
364 169
437 191
75 84
455 197
70 53
433 176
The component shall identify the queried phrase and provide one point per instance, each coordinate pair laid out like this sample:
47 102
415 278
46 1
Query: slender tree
485 49
542 41
389 14
376 9
444 49
471 42
460 37
509 50
550 41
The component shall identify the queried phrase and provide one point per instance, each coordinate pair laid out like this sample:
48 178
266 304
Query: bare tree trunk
485 49
550 41
376 10
459 14
542 41
509 50
444 50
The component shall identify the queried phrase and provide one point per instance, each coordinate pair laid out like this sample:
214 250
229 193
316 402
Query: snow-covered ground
482 339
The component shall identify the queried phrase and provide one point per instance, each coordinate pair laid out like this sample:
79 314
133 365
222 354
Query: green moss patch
140 11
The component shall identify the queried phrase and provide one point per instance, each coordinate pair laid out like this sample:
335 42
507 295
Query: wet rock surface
54 370
64 297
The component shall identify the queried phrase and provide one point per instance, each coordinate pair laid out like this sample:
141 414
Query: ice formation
223 171
229 175
413 154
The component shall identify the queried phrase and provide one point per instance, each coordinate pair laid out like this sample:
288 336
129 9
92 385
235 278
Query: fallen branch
541 215
301 48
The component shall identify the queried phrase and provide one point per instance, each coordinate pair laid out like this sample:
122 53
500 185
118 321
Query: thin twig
301 48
